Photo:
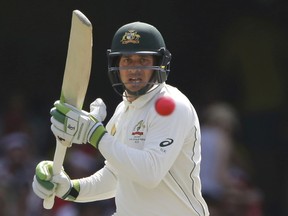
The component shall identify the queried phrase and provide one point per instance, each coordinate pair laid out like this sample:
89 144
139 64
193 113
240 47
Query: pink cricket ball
164 105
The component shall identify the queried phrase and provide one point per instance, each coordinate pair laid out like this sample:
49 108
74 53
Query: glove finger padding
45 183
42 186
65 122
56 123
71 125
44 170
62 136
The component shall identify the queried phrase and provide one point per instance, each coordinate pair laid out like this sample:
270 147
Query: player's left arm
164 141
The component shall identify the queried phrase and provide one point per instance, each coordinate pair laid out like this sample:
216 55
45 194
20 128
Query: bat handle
49 202
58 160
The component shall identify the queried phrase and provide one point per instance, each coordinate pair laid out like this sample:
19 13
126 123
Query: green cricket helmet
142 39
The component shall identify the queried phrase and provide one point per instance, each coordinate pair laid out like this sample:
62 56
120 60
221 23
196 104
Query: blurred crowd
26 140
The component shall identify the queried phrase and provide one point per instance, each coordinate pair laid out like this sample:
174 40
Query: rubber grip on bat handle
58 160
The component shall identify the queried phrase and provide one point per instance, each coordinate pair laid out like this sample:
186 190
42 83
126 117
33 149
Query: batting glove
98 109
45 184
71 125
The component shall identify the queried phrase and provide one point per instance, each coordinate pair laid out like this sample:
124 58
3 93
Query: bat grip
58 160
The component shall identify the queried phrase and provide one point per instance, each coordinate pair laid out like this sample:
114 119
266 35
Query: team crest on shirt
138 132
130 36
138 129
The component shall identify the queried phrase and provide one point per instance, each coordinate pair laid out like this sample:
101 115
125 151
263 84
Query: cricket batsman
152 162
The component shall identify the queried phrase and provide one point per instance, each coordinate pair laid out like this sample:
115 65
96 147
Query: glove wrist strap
96 133
73 193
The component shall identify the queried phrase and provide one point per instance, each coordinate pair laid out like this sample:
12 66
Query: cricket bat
75 80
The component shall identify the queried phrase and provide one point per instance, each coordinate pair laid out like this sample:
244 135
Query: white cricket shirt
152 162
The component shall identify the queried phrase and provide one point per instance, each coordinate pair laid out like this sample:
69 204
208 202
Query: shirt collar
143 99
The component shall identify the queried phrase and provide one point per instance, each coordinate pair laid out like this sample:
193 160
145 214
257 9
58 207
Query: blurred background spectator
17 167
218 125
226 167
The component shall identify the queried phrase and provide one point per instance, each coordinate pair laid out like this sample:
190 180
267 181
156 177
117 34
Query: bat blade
78 62
75 80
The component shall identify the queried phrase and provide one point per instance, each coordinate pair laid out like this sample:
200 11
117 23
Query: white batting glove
45 184
98 109
71 125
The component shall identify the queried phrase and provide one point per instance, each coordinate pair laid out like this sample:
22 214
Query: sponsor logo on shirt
166 142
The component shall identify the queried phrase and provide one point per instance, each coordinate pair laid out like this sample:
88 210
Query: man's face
137 78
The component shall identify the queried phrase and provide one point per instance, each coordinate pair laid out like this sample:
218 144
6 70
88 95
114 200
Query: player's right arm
101 185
